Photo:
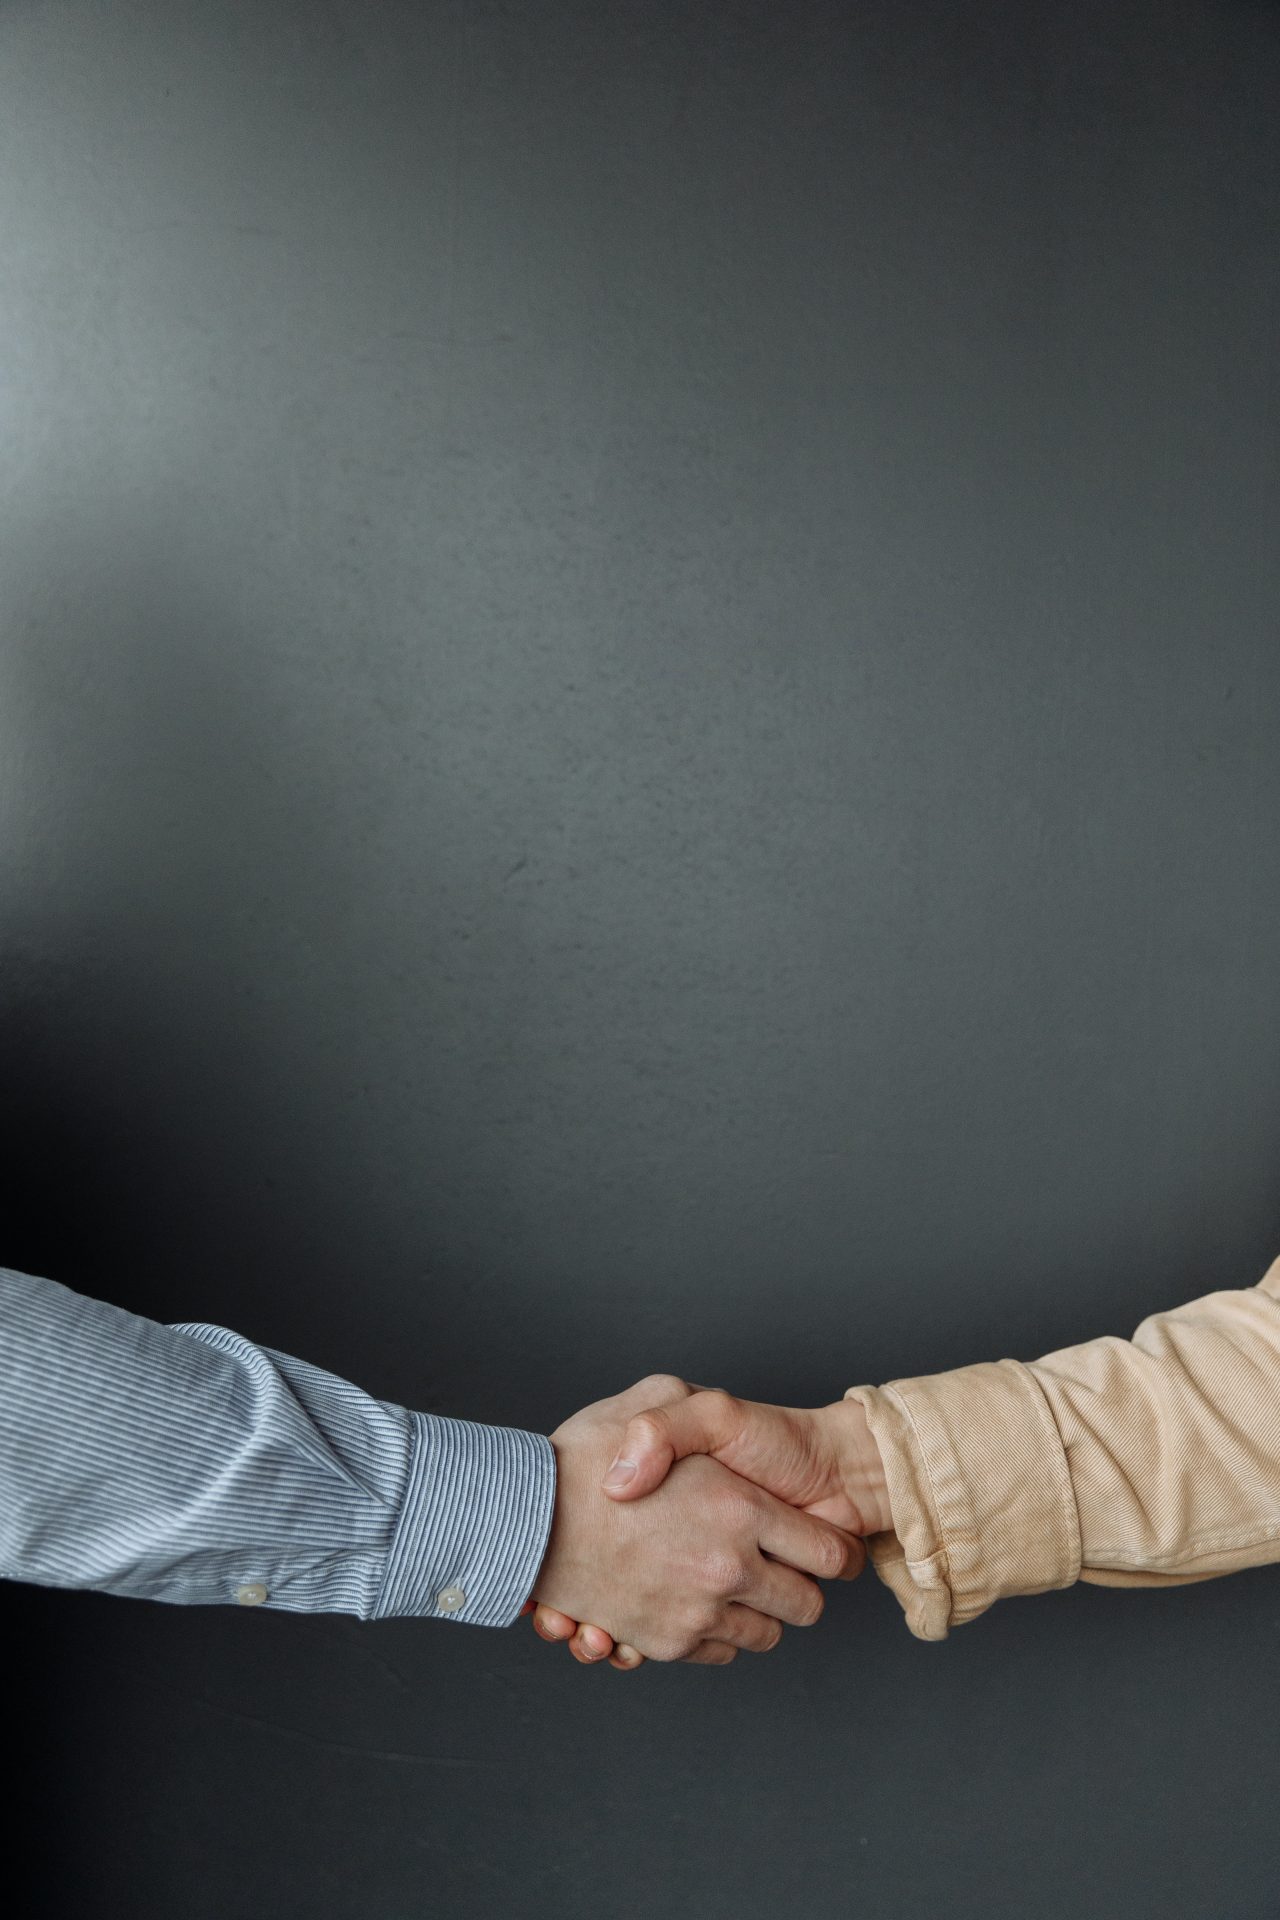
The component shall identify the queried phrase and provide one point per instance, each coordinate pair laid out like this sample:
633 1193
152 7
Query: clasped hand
689 1524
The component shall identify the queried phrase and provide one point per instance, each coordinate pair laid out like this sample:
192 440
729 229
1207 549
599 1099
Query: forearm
1147 1462
185 1464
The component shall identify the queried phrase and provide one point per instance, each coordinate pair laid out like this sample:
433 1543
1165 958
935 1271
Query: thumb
706 1422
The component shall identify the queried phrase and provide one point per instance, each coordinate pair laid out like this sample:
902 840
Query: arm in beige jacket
1127 1463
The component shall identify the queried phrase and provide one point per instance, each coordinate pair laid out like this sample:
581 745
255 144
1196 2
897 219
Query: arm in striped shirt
185 1464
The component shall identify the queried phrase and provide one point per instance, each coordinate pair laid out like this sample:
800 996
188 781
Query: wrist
858 1463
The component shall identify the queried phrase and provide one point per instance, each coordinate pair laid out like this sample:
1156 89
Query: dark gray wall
640 686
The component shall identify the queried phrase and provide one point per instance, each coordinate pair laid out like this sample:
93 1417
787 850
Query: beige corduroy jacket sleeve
1128 1463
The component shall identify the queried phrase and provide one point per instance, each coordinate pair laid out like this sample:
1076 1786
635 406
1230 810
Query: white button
251 1596
449 1599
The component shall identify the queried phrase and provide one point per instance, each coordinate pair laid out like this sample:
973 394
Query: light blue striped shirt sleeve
187 1465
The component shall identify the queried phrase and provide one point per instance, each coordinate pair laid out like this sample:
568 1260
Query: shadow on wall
221 997
169 881
169 868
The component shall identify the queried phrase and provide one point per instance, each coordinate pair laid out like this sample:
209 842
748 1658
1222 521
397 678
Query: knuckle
646 1430
664 1386
721 1575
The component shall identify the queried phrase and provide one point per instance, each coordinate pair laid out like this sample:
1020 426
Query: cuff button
251 1596
449 1599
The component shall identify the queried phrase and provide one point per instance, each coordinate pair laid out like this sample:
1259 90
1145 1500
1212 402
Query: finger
590 1644
551 1624
803 1541
711 1653
746 1628
625 1658
857 1560
661 1435
785 1595
526 1608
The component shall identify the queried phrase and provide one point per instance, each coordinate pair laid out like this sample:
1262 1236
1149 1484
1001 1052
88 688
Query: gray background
638 709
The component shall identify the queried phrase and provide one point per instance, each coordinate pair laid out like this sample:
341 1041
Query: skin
822 1461
706 1564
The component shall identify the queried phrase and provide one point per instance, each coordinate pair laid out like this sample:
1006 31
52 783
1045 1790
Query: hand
709 1564
823 1460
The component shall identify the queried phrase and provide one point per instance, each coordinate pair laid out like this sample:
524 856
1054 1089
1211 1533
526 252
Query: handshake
688 1523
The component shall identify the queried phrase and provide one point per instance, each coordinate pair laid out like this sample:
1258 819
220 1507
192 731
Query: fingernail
620 1474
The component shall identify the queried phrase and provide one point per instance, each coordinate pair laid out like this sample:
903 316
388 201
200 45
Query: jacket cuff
979 1489
473 1525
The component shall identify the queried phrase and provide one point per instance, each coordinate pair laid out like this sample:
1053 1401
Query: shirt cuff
474 1523
979 1489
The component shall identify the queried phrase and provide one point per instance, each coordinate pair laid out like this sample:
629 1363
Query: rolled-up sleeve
1146 1462
186 1464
